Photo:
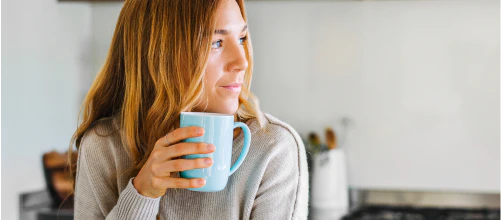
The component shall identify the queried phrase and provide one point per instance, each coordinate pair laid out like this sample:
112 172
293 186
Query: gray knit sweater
271 183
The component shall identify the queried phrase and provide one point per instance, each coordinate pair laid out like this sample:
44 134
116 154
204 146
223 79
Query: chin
228 110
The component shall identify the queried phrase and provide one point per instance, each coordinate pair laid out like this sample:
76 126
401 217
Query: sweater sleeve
283 192
96 195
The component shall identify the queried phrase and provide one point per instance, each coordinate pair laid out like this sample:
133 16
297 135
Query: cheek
210 78
212 73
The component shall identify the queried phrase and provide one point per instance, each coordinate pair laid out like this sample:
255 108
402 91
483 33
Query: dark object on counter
57 178
32 202
63 214
314 139
36 205
314 145
380 212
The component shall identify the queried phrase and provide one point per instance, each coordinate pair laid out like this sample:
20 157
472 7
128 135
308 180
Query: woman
166 57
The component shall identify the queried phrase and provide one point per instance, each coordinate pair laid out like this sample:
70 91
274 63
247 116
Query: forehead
229 16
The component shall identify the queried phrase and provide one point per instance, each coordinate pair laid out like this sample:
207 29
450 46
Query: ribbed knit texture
271 183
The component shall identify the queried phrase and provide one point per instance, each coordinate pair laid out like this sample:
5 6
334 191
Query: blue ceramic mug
218 131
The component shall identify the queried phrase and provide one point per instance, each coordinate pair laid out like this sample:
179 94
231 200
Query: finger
161 154
185 148
164 169
180 134
171 182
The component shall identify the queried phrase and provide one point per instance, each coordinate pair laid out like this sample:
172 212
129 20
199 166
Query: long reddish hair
154 71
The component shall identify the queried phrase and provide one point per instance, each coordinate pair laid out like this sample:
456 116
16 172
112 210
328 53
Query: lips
234 87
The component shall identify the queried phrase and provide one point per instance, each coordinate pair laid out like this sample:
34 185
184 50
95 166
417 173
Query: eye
243 39
217 44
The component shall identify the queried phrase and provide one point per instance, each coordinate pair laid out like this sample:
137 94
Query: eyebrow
226 32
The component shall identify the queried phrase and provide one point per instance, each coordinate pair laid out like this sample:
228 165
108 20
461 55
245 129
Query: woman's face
227 63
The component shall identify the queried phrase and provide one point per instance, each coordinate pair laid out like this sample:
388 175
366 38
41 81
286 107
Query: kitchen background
417 80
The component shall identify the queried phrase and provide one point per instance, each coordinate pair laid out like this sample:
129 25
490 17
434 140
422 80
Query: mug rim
206 114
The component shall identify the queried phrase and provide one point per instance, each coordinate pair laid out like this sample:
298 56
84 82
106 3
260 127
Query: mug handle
245 149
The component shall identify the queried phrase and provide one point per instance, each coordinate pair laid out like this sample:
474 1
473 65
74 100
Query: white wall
419 80
45 51
105 16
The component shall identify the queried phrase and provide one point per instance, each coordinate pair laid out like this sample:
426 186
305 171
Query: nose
237 61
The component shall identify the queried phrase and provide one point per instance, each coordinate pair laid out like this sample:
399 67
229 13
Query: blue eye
243 39
217 44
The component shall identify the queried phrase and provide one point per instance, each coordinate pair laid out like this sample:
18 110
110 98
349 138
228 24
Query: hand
155 178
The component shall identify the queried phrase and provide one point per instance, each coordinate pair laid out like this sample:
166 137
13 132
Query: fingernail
208 161
201 182
211 147
200 130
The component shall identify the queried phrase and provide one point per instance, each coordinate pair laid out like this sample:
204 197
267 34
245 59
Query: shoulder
102 159
280 130
279 139
102 138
